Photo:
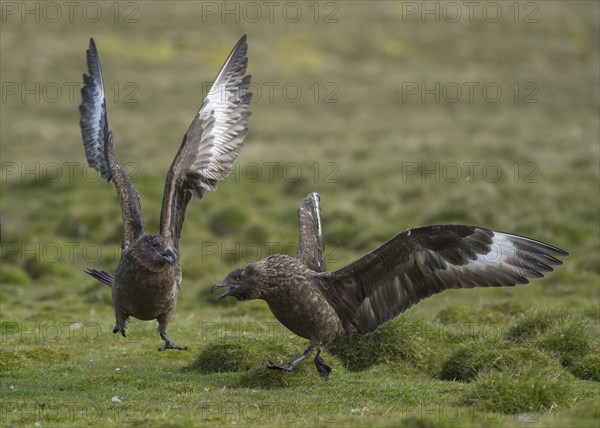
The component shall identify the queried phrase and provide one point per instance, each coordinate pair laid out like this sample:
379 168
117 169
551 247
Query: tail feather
102 276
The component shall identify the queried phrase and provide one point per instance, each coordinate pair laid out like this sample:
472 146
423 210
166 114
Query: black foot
286 367
119 329
170 345
322 368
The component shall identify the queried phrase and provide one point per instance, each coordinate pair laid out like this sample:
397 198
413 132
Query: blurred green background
400 114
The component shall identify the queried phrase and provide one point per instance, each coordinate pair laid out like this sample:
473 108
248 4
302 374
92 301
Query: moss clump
11 274
534 390
473 358
394 342
587 367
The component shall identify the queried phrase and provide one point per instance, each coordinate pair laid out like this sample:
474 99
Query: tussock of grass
534 323
566 337
12 274
395 342
587 367
250 355
531 391
230 355
263 378
473 358
236 354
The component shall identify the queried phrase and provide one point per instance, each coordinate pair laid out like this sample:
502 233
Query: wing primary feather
212 142
310 242
99 147
93 116
418 263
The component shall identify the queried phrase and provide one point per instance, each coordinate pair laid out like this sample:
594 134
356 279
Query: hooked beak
169 256
223 284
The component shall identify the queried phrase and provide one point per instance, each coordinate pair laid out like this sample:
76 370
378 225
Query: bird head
242 283
156 251
257 280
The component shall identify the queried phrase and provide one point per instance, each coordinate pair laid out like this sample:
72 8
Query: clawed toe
323 370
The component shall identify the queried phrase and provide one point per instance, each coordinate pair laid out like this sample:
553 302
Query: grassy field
488 117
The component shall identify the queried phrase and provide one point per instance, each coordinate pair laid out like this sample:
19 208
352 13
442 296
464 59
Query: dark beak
169 256
223 284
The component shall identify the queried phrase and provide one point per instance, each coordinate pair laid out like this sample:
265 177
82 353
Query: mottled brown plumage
147 279
358 298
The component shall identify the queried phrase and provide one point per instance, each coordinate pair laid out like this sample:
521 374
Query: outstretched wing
211 143
100 150
310 243
421 262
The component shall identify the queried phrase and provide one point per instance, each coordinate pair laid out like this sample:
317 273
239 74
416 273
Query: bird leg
322 368
168 344
118 328
289 366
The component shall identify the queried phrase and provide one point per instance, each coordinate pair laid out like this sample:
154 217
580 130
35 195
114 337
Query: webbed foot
322 368
118 329
170 345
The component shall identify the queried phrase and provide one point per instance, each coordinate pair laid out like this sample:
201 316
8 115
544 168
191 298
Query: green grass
526 355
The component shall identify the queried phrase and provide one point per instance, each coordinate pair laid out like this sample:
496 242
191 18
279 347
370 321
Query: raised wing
99 148
421 262
310 243
211 143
